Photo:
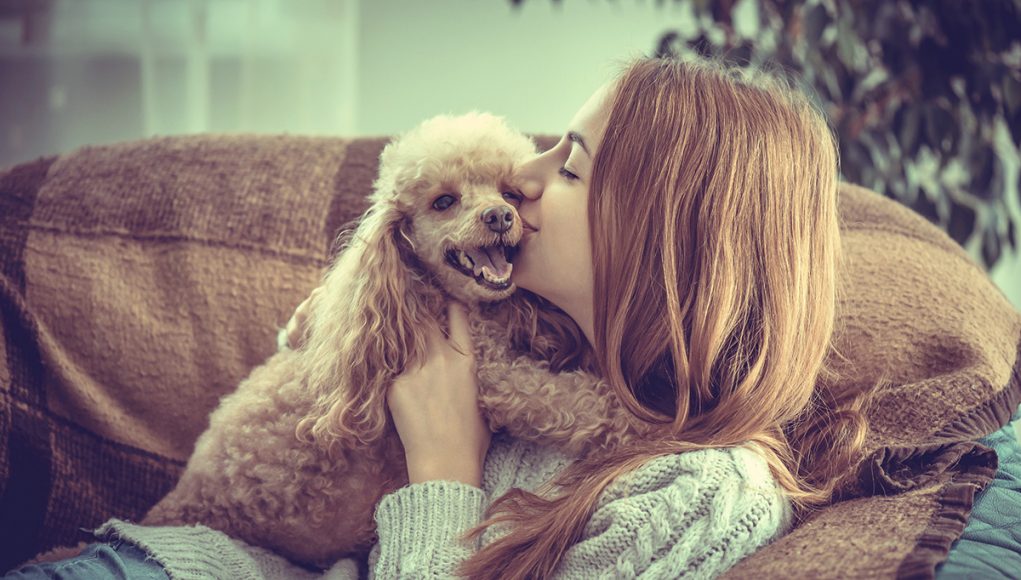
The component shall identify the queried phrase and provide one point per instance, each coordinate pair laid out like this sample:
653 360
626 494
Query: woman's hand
294 332
435 408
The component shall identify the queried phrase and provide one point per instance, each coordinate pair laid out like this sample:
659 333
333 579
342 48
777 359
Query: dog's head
452 177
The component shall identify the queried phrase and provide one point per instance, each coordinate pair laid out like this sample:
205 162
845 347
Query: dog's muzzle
489 266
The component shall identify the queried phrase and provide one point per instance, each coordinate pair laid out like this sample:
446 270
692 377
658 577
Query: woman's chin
517 280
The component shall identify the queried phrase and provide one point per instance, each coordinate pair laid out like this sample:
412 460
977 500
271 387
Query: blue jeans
118 559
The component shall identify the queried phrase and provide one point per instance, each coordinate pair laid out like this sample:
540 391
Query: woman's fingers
435 406
298 323
460 334
296 327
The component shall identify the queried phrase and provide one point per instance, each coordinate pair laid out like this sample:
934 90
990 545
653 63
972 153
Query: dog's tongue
492 258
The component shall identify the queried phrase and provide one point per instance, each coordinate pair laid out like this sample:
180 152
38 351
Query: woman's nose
530 179
531 188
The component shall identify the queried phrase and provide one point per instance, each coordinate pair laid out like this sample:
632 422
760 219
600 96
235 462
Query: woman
683 236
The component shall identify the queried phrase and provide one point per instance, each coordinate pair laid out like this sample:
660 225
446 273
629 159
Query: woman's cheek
520 264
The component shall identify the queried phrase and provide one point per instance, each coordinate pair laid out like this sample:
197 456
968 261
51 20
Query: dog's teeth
492 277
465 260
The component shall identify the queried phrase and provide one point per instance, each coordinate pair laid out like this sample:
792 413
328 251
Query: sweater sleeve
419 526
201 552
692 514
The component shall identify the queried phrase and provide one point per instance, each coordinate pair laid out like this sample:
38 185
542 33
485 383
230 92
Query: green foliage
924 95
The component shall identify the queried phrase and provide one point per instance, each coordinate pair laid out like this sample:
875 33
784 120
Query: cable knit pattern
689 515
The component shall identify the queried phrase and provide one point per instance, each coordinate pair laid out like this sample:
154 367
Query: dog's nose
499 218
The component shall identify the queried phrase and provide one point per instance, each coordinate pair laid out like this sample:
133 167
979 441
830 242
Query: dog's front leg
574 410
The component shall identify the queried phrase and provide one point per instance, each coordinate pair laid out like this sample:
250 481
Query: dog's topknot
475 144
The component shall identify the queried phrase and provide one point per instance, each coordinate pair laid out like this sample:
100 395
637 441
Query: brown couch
142 281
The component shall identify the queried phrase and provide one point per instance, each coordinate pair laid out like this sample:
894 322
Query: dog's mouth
490 266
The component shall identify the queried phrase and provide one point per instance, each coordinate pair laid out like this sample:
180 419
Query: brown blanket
140 282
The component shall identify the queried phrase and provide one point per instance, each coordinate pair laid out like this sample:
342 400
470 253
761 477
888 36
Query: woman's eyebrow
574 136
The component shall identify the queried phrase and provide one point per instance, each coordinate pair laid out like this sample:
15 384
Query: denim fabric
990 546
120 560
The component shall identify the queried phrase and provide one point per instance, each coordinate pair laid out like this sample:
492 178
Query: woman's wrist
465 471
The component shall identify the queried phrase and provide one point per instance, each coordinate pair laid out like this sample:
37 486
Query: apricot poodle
296 459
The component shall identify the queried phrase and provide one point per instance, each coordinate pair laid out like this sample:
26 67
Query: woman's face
555 258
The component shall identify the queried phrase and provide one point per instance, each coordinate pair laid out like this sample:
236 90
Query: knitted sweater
693 515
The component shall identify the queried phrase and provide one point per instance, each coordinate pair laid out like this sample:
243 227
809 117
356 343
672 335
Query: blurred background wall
79 72
98 71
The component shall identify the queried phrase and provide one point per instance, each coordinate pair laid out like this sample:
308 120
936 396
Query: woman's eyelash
567 174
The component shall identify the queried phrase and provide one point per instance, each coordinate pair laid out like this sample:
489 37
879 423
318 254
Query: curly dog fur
296 459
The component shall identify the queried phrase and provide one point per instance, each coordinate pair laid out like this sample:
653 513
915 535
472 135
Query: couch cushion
141 282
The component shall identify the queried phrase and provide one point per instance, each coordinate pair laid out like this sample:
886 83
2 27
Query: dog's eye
516 197
443 202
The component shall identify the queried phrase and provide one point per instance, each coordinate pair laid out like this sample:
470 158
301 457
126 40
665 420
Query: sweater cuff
185 551
419 525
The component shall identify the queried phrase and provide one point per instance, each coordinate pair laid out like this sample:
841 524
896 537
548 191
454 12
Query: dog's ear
365 328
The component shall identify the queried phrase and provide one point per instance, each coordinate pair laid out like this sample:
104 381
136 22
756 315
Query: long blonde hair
716 248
